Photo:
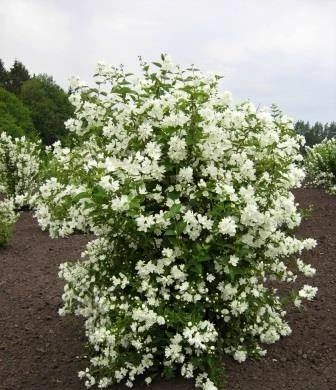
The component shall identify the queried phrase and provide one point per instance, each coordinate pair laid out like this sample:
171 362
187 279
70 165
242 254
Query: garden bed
41 350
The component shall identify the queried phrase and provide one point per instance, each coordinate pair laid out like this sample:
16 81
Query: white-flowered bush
8 217
320 164
189 198
20 168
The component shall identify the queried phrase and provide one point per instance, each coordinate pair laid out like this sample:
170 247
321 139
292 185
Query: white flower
234 260
174 352
227 226
148 380
308 292
185 175
145 131
309 243
120 203
177 148
109 184
210 278
167 64
187 370
240 356
306 269
297 302
270 336
153 150
226 98
209 385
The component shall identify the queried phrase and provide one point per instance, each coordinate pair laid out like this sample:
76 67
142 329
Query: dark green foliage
3 74
16 76
5 233
316 133
14 116
49 107
331 130
45 109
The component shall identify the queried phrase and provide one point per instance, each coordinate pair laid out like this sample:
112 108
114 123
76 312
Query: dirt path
41 351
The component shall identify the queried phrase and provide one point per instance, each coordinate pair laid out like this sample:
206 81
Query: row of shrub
23 167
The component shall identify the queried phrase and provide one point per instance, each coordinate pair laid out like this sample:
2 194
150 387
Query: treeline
36 106
314 134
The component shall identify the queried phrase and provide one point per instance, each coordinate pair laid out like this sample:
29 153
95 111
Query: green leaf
99 194
157 64
175 208
170 232
80 196
180 226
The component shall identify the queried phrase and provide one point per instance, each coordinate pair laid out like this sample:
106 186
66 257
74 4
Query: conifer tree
17 75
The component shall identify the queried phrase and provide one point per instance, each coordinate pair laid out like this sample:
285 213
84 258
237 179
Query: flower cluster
189 198
20 168
8 217
320 164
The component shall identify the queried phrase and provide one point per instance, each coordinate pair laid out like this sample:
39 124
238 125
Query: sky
269 51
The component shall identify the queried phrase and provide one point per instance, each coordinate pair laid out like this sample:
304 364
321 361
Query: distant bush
20 168
321 165
8 217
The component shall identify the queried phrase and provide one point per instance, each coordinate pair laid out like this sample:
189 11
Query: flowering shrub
321 165
59 203
189 197
20 168
8 218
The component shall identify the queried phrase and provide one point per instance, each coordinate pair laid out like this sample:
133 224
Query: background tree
330 130
14 116
17 75
316 133
3 74
49 107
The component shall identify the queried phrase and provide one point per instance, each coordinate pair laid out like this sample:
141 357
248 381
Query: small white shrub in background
8 217
190 198
320 164
20 168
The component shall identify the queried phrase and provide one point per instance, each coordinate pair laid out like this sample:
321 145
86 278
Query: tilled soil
39 350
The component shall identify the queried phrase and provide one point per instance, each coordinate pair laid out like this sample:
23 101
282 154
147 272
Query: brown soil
41 351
